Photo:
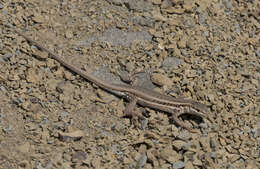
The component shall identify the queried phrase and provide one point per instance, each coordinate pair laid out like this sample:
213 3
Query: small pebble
178 165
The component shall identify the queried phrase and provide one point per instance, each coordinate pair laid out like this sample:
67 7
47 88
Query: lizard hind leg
130 78
130 107
132 113
134 77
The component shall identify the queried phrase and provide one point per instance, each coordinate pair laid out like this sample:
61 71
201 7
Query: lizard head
201 110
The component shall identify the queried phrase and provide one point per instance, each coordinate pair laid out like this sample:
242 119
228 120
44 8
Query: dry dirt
206 50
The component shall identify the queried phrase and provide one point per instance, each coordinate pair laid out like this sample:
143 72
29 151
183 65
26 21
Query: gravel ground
207 50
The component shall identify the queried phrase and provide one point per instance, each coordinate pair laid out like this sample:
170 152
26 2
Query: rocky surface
207 50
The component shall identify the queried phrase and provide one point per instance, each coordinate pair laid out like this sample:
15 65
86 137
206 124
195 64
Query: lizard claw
180 123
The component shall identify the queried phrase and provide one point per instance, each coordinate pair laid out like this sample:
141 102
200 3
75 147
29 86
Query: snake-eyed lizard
137 94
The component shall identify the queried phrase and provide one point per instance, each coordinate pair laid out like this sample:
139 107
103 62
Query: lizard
136 94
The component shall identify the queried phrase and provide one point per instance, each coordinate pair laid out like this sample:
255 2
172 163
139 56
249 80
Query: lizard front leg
175 118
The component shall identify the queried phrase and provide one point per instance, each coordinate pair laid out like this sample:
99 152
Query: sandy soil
206 50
